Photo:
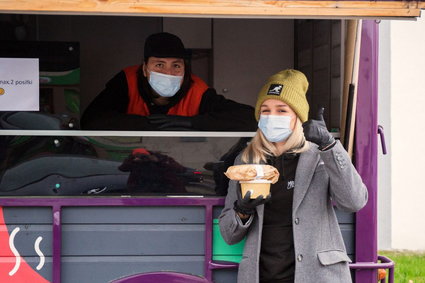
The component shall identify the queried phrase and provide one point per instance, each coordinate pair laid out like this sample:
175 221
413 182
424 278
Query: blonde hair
260 148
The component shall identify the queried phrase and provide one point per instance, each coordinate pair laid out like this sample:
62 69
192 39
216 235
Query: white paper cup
256 187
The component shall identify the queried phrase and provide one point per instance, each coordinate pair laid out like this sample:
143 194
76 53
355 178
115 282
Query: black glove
316 131
246 205
170 122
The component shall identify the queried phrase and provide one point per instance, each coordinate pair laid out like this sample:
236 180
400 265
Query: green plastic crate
223 251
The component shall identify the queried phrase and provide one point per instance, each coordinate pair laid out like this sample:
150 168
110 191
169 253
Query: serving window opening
48 152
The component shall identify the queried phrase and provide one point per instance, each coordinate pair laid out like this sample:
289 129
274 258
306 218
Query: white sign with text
19 84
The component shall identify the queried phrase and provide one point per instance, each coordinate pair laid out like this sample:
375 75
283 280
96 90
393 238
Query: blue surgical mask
164 85
275 128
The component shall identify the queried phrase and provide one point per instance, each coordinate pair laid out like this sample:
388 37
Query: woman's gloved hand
315 131
246 205
170 122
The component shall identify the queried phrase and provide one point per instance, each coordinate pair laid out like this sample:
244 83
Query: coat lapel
305 171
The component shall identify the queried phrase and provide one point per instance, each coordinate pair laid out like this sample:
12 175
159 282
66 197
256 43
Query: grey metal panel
162 241
129 239
217 210
105 269
26 237
345 217
225 275
27 215
133 215
348 234
33 262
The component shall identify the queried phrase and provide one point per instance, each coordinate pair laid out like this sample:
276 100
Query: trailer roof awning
221 8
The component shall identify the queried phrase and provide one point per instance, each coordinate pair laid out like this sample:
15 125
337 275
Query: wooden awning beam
219 8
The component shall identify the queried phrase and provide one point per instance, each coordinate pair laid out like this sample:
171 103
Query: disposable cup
256 187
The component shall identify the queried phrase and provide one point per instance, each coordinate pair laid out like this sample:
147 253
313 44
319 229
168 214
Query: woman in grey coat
293 235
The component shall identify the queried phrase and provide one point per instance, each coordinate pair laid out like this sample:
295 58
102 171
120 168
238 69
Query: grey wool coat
321 180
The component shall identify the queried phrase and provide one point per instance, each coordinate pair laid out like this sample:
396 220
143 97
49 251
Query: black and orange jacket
122 105
188 105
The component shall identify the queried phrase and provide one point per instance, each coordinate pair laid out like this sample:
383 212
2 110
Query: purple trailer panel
366 150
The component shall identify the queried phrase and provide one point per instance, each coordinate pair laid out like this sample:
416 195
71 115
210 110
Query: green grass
409 266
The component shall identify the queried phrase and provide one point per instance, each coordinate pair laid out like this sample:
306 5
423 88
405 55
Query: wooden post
351 72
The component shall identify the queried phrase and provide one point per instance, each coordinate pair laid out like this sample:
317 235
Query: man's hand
170 122
246 205
315 131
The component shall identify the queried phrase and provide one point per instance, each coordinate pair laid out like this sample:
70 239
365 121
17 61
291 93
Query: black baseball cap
164 45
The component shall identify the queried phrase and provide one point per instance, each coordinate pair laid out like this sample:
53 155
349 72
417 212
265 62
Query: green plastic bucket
223 251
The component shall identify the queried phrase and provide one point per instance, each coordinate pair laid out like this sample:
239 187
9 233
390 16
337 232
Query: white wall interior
408 133
194 32
247 52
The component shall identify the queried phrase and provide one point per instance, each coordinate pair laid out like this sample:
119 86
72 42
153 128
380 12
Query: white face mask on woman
165 85
275 128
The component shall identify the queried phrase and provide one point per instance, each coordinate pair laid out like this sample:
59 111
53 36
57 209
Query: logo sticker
291 185
275 89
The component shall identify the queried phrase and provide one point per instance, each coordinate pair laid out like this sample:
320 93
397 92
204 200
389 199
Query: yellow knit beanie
289 86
